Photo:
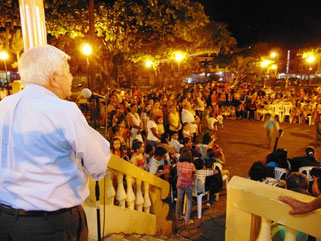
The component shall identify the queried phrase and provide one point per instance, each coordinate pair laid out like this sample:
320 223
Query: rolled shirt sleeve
88 144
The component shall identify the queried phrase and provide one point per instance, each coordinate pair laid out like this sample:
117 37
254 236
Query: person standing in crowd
47 151
270 125
135 124
153 137
185 182
174 120
188 116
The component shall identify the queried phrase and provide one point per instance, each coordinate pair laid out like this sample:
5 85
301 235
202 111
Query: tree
139 29
9 18
17 43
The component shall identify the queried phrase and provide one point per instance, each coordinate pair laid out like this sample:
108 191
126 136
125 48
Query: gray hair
37 64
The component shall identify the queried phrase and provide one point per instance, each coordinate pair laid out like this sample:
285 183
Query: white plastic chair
225 175
199 190
306 171
278 111
287 111
280 173
310 119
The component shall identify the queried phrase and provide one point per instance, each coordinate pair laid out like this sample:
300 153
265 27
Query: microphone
87 93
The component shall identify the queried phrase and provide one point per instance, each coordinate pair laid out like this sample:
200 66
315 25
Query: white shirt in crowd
188 117
47 147
154 164
150 136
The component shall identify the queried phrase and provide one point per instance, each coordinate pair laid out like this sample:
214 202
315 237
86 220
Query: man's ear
52 80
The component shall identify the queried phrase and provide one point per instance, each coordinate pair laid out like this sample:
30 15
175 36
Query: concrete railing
130 202
252 207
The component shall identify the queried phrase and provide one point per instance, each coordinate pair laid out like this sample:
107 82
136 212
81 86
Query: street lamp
264 64
310 61
179 56
274 67
273 54
4 56
87 50
148 63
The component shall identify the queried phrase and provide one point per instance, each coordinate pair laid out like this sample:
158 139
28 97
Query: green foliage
137 29
142 28
9 13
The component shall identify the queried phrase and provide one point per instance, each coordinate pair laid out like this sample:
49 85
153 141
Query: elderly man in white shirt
47 151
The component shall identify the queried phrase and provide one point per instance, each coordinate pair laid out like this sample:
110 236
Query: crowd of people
164 131
171 134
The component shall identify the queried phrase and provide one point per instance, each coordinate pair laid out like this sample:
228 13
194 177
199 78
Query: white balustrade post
130 198
290 234
139 196
110 188
265 230
147 202
121 194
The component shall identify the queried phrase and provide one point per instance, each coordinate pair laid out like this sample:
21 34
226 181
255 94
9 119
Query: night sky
286 23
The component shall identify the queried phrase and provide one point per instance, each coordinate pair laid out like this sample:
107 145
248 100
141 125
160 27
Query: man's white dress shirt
47 147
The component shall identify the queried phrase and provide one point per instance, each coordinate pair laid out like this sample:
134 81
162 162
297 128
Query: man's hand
298 207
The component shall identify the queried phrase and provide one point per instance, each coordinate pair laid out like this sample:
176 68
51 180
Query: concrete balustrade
130 202
252 207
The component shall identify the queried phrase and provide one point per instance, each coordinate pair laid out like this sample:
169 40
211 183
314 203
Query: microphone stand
94 113
98 210
277 140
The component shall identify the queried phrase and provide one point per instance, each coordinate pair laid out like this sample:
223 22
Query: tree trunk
92 37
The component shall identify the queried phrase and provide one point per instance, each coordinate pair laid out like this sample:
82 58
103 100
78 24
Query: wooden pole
33 26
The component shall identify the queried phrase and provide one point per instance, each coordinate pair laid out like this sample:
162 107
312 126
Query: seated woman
207 179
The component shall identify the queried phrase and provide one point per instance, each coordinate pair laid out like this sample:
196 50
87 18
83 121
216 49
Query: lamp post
275 68
264 64
179 57
151 64
310 61
87 50
4 56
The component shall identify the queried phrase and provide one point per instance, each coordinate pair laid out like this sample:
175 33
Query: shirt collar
38 89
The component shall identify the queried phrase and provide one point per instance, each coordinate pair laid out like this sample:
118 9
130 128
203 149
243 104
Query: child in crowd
188 143
116 148
149 152
185 183
118 134
160 125
137 158
175 142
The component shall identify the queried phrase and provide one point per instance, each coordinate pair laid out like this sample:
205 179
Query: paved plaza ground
243 143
